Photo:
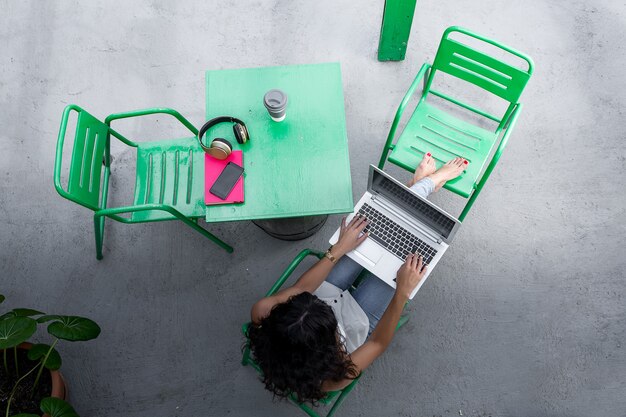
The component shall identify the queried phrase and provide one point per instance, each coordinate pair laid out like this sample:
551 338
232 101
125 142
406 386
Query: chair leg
469 204
304 407
342 397
337 403
208 234
98 223
246 357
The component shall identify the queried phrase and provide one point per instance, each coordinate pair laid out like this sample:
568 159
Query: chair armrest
508 128
292 266
114 212
392 132
510 121
156 110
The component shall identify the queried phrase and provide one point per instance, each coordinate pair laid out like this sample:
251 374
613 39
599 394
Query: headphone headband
216 121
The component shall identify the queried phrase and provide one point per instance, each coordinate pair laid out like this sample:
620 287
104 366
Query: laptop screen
426 213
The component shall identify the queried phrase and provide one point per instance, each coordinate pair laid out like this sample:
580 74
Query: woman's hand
410 274
350 235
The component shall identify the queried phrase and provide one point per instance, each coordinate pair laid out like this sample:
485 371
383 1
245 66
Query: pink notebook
212 169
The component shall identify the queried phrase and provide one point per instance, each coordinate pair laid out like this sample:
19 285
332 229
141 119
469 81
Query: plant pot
59 389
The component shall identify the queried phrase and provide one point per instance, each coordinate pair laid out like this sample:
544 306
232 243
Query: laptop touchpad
370 250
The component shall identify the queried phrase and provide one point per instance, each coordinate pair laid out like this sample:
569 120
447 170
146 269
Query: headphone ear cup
220 148
241 133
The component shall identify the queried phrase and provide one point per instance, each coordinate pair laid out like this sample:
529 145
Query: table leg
293 228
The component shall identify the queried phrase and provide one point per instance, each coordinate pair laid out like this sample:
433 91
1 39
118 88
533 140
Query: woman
316 336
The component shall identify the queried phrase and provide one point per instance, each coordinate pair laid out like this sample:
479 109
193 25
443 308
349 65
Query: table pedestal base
293 228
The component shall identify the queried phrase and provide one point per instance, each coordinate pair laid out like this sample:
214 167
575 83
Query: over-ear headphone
220 148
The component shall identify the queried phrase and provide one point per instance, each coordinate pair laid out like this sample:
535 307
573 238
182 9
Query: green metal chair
334 397
430 129
165 187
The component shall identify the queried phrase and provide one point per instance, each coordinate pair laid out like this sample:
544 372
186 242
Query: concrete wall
524 316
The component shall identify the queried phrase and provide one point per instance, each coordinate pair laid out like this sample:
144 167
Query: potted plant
29 376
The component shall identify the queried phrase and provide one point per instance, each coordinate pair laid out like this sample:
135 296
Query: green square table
294 168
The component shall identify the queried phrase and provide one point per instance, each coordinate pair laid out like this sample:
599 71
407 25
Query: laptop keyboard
393 237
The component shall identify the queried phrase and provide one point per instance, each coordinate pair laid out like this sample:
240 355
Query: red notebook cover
212 169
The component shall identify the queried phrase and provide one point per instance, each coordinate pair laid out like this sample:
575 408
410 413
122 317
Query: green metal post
395 29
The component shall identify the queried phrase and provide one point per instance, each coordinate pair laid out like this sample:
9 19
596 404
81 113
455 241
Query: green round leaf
40 350
26 312
2 298
7 315
56 407
48 317
15 330
74 328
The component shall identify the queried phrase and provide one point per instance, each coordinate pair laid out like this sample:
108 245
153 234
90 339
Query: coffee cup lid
275 99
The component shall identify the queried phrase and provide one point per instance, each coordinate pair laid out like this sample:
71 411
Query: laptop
400 222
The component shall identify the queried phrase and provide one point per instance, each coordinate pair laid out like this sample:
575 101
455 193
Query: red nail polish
428 154
465 162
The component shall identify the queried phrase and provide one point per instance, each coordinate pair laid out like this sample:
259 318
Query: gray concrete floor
524 316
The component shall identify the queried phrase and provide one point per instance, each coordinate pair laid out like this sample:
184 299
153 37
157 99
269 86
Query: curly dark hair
298 347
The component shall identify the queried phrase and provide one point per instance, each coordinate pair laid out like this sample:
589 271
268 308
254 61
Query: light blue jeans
372 294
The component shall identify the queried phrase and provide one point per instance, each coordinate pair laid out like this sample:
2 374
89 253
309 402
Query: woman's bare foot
424 169
448 171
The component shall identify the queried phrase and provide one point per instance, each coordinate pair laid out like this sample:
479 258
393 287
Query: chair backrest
90 141
480 69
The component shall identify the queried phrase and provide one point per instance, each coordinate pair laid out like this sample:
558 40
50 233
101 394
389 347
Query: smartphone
226 181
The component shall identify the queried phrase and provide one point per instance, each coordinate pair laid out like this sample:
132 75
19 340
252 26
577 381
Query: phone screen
226 181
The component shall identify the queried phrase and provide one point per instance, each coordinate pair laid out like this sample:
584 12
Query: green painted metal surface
86 161
297 167
431 129
166 185
90 155
395 29
480 69
170 172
